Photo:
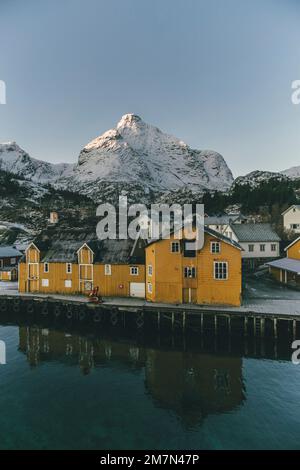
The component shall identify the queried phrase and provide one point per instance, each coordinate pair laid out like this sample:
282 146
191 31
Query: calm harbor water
62 389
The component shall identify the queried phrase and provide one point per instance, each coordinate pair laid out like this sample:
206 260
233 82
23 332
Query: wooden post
183 322
262 327
158 320
215 324
245 327
202 323
275 328
173 322
229 325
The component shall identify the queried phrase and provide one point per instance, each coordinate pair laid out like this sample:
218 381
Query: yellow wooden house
62 262
210 276
287 270
73 261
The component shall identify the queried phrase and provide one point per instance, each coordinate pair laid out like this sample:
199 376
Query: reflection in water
192 384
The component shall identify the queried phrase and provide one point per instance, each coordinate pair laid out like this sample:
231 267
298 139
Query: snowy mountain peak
136 152
129 120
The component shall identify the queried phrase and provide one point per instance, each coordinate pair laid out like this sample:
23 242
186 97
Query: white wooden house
260 243
291 219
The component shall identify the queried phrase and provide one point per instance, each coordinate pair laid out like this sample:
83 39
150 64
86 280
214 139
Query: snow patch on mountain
293 172
255 178
15 160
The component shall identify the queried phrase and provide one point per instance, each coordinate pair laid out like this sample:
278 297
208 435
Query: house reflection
192 384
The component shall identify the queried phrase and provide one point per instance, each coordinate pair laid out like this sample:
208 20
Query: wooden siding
294 251
169 284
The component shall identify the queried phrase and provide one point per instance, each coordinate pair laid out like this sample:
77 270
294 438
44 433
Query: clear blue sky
215 73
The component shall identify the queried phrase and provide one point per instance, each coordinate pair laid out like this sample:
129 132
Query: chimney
53 219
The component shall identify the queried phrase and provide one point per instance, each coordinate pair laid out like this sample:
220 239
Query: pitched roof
221 220
211 232
297 206
291 244
255 232
288 264
9 252
60 244
7 269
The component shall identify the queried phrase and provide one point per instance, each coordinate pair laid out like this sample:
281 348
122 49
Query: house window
68 268
251 248
13 260
45 282
273 247
46 268
134 270
221 270
175 247
149 286
150 270
262 247
215 247
1 263
107 270
68 283
189 272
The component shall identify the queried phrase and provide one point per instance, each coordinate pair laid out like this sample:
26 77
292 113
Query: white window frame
68 283
149 288
213 246
189 269
134 270
227 273
46 270
13 260
45 282
69 265
273 247
177 244
107 269
252 246
150 269
264 247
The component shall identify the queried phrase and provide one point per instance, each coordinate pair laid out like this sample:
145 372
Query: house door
189 295
85 277
137 289
33 277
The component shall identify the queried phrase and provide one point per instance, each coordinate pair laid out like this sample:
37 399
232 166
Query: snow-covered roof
288 264
59 244
221 220
255 232
9 252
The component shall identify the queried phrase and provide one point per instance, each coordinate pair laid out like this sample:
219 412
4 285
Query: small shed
9 273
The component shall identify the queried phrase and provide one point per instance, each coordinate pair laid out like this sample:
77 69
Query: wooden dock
247 320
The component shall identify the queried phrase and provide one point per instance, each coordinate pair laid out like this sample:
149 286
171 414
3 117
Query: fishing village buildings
64 260
71 261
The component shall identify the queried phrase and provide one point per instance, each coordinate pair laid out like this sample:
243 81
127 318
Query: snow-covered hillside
137 153
15 160
255 178
293 173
